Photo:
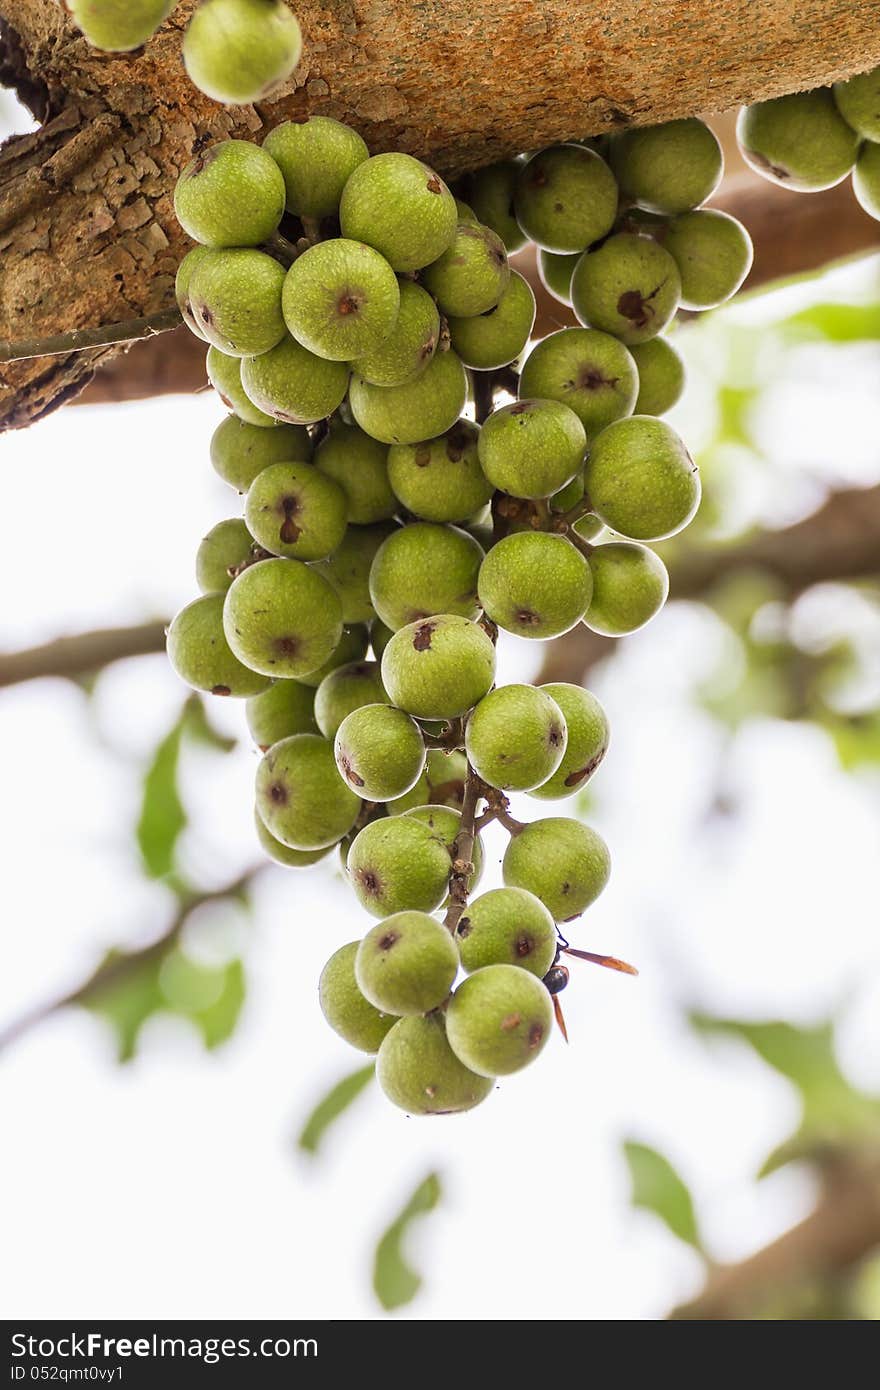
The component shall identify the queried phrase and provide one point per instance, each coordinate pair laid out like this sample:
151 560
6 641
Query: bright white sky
171 1187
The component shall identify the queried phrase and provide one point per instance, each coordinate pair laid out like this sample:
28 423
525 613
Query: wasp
558 975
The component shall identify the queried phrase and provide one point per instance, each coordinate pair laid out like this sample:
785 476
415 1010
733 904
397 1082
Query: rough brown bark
86 223
792 235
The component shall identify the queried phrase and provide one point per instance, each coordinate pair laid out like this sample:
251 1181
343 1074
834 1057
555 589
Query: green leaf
199 727
216 1021
127 1000
657 1187
331 1106
127 990
835 323
395 1282
834 1111
162 818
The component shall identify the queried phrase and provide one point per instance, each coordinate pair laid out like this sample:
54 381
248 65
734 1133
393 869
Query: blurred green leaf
834 1111
331 1106
856 740
127 990
162 818
658 1188
395 1281
834 323
199 727
127 999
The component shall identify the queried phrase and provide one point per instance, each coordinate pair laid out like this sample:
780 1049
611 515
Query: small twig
451 739
579 543
113 971
285 250
82 339
463 852
498 809
312 228
541 518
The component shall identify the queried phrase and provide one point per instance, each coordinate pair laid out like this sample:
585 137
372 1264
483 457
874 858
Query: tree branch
843 1230
75 657
81 339
792 233
113 972
90 236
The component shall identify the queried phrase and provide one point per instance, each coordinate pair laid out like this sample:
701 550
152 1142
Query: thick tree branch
83 654
89 235
843 1230
793 234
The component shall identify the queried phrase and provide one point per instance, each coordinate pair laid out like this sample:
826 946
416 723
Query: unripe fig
282 618
397 864
282 854
531 448
224 374
587 744
507 926
563 862
441 479
801 140
316 158
294 510
499 1019
471 275
231 194
630 586
590 372
641 479
419 1072
343 1005
301 798
661 376
566 198
380 752
401 207
438 668
240 451
667 168
201 655
348 570
406 352
498 335
118 26
224 548
359 465
629 287
239 51
406 964
346 689
287 707
294 385
535 584
341 299
422 570
516 737
419 409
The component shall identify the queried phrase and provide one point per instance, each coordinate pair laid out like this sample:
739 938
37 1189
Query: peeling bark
87 231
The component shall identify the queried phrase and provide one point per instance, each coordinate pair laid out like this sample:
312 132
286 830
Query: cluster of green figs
419 477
